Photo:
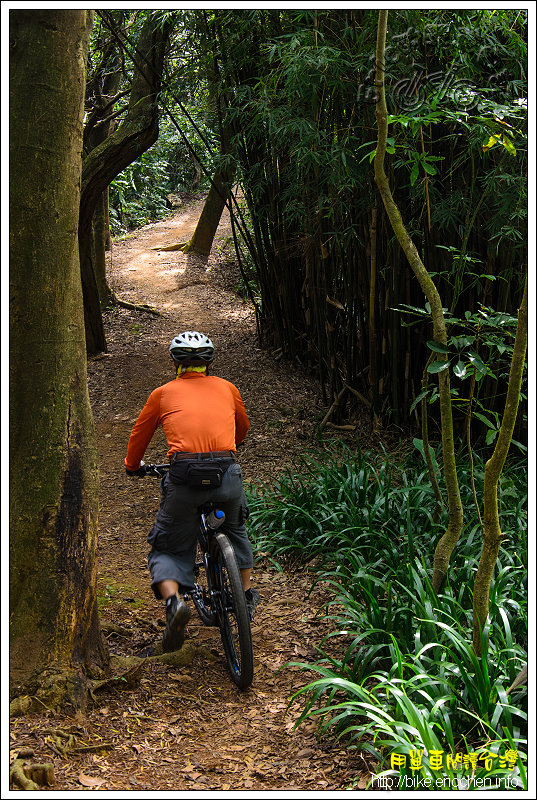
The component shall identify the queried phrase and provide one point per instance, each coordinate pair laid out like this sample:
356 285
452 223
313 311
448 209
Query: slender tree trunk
100 233
219 193
469 409
492 534
448 541
196 180
102 90
55 637
427 448
203 237
107 235
93 318
211 214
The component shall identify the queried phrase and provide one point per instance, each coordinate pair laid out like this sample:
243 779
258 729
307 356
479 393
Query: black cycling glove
140 472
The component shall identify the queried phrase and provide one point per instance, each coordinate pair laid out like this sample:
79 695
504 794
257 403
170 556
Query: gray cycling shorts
174 535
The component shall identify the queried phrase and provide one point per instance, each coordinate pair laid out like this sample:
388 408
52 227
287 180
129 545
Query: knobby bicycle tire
232 613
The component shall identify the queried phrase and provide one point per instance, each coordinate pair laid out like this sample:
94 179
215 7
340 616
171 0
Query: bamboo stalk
372 329
360 397
333 407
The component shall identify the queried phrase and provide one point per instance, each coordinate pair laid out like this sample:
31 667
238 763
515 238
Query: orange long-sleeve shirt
198 413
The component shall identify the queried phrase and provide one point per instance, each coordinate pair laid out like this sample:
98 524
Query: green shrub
398 672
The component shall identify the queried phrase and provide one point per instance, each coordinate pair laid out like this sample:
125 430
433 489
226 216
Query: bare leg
245 575
177 616
168 588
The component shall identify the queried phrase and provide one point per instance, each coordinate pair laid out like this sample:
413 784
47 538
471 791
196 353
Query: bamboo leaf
519 445
423 312
485 420
491 435
419 398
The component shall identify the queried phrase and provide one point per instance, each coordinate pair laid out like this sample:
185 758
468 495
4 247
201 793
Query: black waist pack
198 475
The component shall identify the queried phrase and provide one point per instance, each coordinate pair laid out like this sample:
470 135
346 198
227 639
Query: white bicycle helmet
191 345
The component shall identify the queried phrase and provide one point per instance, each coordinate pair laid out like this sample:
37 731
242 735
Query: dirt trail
188 728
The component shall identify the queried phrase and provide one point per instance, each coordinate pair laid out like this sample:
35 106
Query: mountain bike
218 593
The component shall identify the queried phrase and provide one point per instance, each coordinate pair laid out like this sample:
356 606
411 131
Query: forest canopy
283 103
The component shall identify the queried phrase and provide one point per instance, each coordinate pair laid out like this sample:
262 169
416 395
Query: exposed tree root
59 741
64 743
109 628
177 658
28 776
53 688
127 669
58 688
143 307
20 706
126 678
183 246
340 427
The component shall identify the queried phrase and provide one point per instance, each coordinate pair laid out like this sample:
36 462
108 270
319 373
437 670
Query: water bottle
214 519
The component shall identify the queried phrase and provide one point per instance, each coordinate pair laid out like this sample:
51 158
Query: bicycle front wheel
232 612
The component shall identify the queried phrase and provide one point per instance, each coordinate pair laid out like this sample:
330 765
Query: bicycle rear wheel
232 612
201 594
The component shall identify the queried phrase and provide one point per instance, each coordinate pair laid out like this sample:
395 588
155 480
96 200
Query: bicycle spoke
201 596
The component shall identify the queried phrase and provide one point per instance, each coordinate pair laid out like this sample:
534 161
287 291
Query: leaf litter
191 729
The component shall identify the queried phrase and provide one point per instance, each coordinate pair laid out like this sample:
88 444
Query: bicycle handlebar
157 470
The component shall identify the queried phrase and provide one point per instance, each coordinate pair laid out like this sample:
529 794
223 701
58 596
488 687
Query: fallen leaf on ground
87 780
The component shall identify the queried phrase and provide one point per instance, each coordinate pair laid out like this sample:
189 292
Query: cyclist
204 420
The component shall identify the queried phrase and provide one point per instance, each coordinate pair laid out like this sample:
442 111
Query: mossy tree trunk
492 534
448 541
55 636
135 135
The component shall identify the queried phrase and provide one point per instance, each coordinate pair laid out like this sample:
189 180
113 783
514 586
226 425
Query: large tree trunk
55 637
124 145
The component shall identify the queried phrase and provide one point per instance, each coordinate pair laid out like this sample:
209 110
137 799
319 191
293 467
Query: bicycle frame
205 605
